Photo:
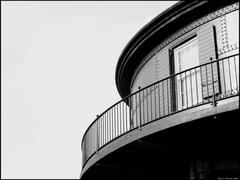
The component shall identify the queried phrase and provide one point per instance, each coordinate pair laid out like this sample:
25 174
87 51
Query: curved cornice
162 26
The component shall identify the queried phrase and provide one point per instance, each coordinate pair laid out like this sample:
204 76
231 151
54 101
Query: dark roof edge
143 32
156 25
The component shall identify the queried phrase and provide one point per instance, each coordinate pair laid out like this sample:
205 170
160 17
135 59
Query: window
188 84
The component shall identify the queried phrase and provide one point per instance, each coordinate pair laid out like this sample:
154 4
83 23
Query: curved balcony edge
196 88
173 120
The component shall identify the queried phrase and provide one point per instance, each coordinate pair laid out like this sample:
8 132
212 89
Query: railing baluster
119 122
235 73
186 89
225 87
181 91
97 136
126 112
100 132
105 117
107 125
136 112
175 100
113 124
116 117
120 119
159 100
103 129
151 109
112 129
140 119
163 98
147 103
201 83
144 99
196 85
106 128
229 70
110 125
123 118
130 112
191 86
207 84
155 102
168 98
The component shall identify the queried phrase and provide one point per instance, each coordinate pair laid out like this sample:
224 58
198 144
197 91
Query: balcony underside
167 154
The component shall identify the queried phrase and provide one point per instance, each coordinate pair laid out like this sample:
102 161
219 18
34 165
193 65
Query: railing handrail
195 67
142 89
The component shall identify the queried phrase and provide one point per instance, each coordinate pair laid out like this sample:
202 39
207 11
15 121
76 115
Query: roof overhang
162 26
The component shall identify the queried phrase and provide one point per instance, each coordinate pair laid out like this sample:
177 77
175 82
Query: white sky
58 63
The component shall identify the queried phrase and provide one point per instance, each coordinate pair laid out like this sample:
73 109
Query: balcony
207 84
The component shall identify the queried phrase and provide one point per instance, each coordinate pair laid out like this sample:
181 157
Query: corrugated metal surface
206 49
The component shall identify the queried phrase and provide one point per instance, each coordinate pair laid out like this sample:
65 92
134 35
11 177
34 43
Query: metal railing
207 83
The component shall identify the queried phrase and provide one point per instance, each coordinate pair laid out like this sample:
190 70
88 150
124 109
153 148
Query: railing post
214 97
139 96
97 135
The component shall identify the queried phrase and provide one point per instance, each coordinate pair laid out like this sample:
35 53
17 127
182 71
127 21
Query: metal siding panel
163 59
206 51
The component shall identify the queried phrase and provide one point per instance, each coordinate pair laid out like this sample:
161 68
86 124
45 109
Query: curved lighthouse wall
217 36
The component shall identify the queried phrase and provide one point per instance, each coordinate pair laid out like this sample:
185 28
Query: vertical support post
213 88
